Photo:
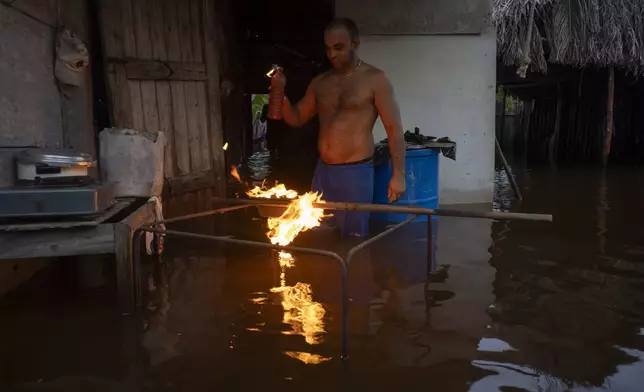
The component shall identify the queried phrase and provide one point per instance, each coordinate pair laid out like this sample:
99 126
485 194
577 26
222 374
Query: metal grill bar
343 262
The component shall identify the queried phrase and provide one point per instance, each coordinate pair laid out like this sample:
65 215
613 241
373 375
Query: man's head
342 39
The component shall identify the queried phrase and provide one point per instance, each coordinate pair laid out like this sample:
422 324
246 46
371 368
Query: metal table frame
343 262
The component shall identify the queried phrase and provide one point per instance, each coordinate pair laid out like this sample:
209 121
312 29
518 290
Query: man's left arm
389 112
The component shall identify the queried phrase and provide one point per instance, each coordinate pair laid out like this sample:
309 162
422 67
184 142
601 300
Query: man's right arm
299 114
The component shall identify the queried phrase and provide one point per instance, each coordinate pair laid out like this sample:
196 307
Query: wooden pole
506 167
525 56
505 100
610 99
554 140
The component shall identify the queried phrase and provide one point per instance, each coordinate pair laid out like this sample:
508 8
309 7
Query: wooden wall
583 118
163 74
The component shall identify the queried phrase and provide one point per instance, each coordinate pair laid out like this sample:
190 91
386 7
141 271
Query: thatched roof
572 32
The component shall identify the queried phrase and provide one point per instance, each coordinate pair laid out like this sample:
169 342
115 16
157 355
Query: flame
235 173
279 191
225 146
299 216
300 311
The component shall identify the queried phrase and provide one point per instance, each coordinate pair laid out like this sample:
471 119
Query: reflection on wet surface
300 311
516 306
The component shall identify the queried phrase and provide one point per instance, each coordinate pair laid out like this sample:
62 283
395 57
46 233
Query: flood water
515 306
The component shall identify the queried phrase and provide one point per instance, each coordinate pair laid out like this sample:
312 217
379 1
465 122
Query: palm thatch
572 32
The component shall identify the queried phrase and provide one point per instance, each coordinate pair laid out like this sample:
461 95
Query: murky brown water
518 306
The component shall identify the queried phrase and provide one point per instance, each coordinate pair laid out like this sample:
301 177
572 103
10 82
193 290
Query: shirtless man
348 99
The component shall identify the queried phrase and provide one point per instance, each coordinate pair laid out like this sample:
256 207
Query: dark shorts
350 183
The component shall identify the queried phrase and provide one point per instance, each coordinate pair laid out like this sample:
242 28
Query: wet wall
444 80
32 110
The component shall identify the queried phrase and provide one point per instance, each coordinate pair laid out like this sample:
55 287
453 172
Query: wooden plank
194 136
192 111
182 152
144 52
164 97
180 128
164 100
141 20
185 31
67 224
215 128
190 182
129 50
122 98
110 19
196 25
171 26
119 92
165 70
202 110
57 243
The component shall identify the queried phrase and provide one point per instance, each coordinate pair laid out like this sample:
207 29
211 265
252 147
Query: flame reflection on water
305 316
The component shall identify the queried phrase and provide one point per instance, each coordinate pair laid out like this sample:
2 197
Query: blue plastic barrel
421 173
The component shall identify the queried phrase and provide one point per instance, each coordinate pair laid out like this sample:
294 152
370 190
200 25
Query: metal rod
347 262
244 242
334 256
345 311
400 209
373 239
431 265
344 263
198 215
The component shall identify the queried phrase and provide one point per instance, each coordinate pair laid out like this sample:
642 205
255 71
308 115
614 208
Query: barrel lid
55 157
420 151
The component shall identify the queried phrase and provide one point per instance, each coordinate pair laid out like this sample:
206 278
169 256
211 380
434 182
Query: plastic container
421 174
133 161
276 96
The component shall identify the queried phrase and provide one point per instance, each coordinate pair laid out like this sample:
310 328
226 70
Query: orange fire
279 191
305 316
299 216
235 173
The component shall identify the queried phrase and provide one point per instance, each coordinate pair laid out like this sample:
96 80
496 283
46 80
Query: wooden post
215 120
124 268
608 137
554 140
505 100
508 172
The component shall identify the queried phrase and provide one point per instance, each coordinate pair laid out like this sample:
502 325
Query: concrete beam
393 17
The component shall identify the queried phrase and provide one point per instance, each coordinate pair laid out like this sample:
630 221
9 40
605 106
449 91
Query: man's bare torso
347 113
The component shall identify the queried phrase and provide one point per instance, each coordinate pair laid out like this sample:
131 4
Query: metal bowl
271 211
